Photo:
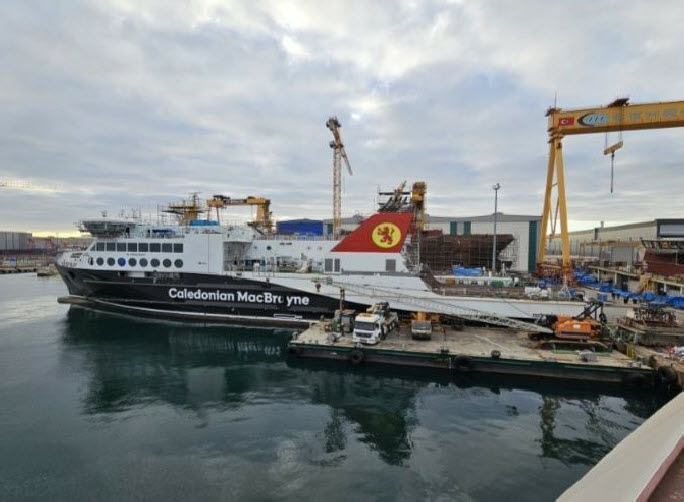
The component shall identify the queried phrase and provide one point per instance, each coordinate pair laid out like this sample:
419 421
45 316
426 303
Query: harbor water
98 406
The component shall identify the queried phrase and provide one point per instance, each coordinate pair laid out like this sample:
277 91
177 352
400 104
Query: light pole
496 200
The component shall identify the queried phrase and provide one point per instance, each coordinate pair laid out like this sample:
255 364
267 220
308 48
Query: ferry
202 269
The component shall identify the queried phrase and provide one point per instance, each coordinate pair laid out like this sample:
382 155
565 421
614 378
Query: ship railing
295 237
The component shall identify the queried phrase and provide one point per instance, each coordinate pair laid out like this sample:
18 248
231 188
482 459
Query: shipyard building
621 245
517 237
15 241
27 243
639 257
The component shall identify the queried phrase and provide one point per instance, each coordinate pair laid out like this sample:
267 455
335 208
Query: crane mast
339 154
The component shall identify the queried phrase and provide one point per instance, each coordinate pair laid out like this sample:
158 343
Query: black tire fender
667 374
294 350
496 354
356 356
635 380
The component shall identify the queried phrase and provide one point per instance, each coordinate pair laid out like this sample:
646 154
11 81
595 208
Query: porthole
143 262
121 262
132 262
154 262
268 248
111 262
178 263
100 261
167 263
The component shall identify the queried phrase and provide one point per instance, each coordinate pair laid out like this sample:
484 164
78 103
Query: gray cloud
124 103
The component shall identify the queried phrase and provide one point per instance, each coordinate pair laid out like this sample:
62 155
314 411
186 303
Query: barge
477 349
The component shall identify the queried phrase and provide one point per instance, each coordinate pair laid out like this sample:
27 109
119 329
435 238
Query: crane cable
613 148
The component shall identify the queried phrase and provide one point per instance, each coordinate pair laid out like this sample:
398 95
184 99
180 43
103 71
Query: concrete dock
477 349
18 270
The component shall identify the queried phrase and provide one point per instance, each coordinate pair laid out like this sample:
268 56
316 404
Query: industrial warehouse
638 257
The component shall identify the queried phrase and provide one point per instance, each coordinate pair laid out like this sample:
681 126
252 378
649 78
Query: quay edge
639 377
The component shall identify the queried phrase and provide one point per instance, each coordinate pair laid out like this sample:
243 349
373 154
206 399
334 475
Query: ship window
178 263
100 246
178 248
154 262
121 246
132 247
390 265
100 261
167 263
337 264
111 246
132 262
166 248
143 247
111 262
155 247
143 262
121 262
328 265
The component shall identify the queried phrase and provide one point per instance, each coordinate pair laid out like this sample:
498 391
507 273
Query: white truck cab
373 325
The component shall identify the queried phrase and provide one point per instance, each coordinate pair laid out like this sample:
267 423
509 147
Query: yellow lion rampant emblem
386 235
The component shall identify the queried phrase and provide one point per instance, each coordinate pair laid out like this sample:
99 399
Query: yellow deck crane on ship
338 154
263 220
617 116
186 210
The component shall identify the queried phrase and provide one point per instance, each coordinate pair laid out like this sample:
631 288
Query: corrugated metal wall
14 241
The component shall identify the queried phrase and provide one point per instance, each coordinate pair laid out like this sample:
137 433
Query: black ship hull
203 297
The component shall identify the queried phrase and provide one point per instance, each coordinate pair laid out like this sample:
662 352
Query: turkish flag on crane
566 121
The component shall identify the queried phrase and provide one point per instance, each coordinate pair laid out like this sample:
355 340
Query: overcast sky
130 103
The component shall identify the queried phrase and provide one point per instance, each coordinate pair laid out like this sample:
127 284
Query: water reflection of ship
131 362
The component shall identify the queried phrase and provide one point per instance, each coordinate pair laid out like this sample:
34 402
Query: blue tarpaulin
587 280
466 271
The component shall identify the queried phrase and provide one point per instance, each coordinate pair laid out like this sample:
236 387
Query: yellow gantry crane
263 220
617 116
338 154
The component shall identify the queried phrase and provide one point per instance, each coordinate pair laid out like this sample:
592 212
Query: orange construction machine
588 325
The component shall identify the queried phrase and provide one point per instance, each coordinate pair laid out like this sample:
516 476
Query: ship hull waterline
207 298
